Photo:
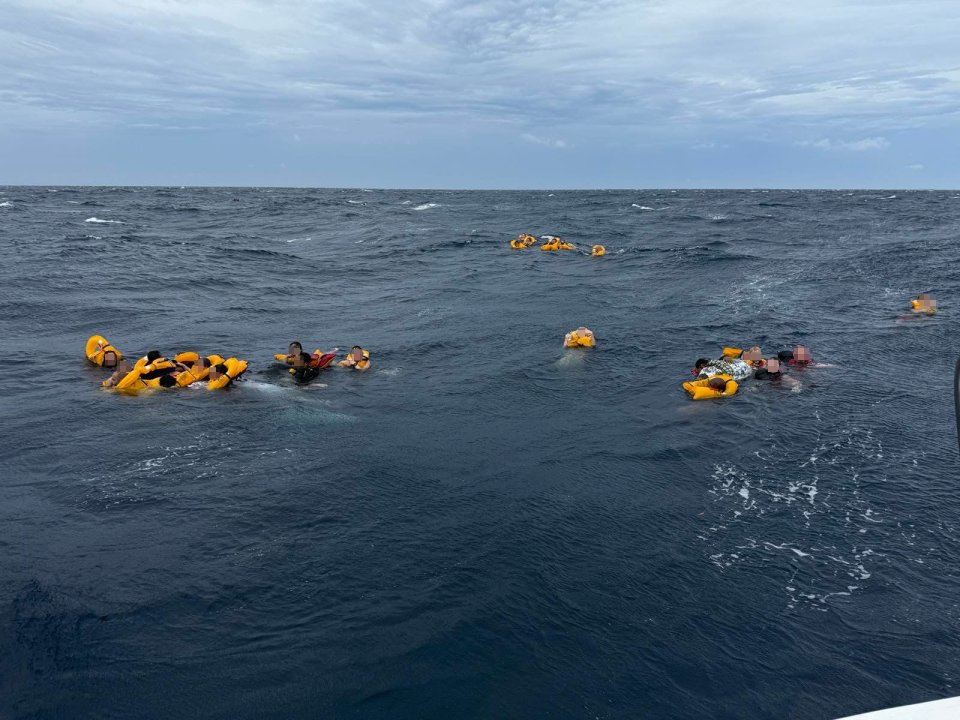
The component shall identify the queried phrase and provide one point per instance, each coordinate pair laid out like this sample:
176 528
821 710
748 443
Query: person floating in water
924 304
581 337
769 370
121 371
727 365
294 350
357 358
798 357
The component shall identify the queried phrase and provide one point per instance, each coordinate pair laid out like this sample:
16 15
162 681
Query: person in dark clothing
769 371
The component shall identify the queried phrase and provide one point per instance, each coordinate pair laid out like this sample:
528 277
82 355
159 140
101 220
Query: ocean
483 525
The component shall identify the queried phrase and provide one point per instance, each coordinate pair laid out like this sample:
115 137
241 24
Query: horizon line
482 189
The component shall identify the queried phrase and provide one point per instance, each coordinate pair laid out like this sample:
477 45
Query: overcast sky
493 94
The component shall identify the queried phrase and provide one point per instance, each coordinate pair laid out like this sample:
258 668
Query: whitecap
73 202
6 204
356 202
391 372
718 218
405 202
427 206
890 197
98 220
641 207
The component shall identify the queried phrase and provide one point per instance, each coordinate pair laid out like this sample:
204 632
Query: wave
427 206
641 207
6 204
98 220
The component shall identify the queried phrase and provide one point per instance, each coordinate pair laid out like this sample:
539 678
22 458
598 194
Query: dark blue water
484 525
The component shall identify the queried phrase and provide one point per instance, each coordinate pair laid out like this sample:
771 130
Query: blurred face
109 359
294 349
357 354
752 355
801 354
214 373
773 365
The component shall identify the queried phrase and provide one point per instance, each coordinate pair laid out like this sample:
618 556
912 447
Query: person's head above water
168 381
801 354
357 352
294 348
701 363
773 365
717 383
753 355
153 355
109 359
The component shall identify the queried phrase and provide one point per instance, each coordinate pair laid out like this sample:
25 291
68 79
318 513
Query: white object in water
948 709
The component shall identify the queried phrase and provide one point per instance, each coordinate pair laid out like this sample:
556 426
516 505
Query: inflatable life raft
700 389
97 347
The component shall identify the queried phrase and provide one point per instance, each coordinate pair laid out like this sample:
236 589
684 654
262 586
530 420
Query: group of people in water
153 370
721 377
551 243
714 378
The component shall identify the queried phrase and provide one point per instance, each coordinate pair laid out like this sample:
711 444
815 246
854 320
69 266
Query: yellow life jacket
699 390
356 364
98 346
198 372
575 340
235 369
598 251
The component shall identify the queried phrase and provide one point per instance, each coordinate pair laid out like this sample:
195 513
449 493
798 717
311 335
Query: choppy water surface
483 525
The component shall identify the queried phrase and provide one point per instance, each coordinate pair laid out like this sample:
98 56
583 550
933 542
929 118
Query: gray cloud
692 74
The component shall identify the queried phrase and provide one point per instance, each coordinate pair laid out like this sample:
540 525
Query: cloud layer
550 76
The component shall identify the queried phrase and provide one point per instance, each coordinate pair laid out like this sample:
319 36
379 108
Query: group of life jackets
552 244
186 368
733 358
155 371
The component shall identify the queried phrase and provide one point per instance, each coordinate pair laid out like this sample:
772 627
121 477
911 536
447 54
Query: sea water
483 524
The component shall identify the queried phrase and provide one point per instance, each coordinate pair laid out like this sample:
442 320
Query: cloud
594 75
558 62
537 140
709 146
870 143
915 166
